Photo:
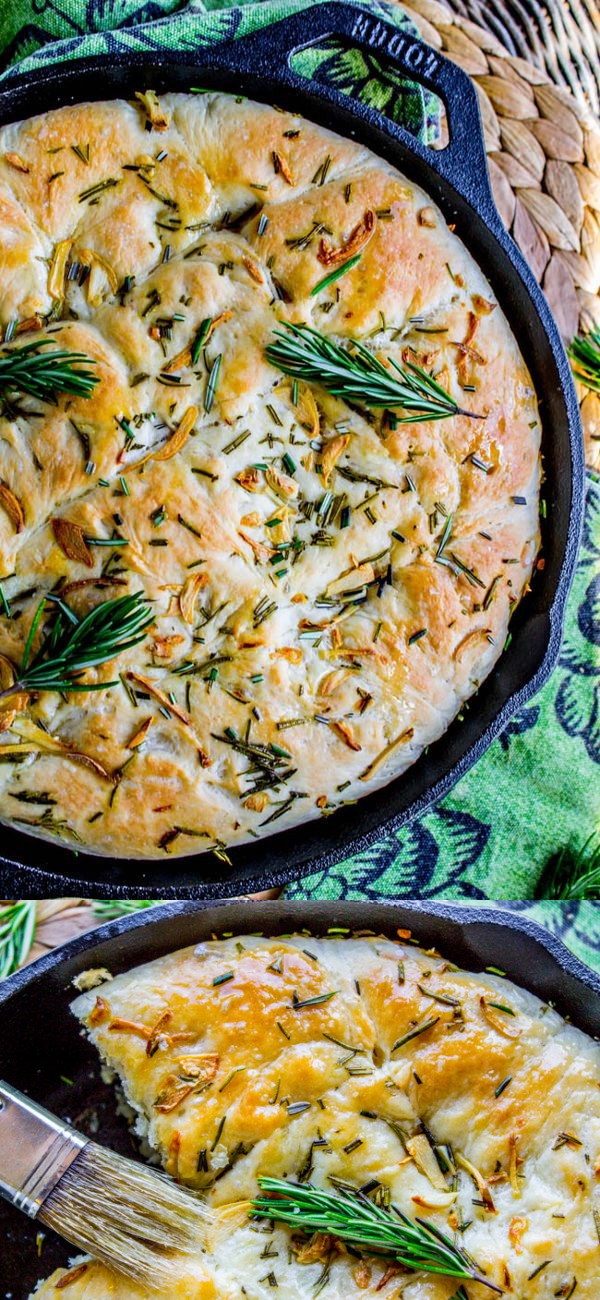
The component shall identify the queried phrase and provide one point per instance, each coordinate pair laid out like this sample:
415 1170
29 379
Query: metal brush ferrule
36 1149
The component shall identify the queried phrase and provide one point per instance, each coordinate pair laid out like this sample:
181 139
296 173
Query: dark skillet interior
257 66
43 1053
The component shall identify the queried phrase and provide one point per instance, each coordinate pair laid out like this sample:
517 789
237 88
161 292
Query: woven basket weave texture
543 148
562 36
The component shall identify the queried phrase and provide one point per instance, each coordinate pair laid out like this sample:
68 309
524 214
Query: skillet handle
462 163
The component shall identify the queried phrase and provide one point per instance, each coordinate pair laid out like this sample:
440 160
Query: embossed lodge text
403 47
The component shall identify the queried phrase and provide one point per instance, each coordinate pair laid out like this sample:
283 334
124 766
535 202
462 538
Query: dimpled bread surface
329 583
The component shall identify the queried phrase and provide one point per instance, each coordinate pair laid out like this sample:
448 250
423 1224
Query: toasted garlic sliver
386 753
479 1181
140 734
180 436
70 538
355 243
15 160
58 266
346 734
156 115
424 1157
281 484
331 454
12 506
355 578
101 275
189 594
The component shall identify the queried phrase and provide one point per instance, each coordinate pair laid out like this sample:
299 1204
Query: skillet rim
153 918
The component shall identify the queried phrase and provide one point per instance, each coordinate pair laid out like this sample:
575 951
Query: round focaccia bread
459 1096
329 582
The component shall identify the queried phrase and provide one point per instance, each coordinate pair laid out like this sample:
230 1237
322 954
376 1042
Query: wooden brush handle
36 1149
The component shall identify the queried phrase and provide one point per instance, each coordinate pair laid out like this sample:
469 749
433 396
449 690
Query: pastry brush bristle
132 1218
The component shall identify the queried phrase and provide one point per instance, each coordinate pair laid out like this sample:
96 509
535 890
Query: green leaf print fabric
537 790
35 32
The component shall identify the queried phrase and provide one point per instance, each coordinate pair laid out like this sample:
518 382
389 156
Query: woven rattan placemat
537 72
562 36
543 149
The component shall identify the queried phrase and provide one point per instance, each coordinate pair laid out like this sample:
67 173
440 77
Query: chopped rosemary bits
82 152
212 383
479 464
218 1134
335 275
232 1074
93 191
263 611
299 1004
502 1086
439 997
489 595
414 1033
190 527
236 442
200 338
321 173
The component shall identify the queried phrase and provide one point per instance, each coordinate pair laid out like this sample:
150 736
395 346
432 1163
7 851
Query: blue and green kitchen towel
537 790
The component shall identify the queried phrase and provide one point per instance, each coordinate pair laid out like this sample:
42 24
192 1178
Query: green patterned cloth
34 32
537 790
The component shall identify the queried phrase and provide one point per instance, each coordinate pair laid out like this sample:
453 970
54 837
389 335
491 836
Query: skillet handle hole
378 82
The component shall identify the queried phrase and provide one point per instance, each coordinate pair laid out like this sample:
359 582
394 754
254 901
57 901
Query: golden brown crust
90 1280
131 239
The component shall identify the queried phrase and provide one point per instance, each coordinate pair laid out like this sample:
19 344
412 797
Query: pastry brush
132 1218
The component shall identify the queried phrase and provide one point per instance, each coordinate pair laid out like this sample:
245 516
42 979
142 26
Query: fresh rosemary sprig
355 374
17 931
351 1216
42 374
18 922
585 355
573 874
107 908
74 644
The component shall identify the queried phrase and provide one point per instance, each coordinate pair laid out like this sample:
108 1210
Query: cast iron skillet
259 66
40 1040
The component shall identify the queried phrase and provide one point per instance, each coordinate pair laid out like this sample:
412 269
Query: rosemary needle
335 275
573 873
17 930
350 1216
585 356
43 374
73 644
355 374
